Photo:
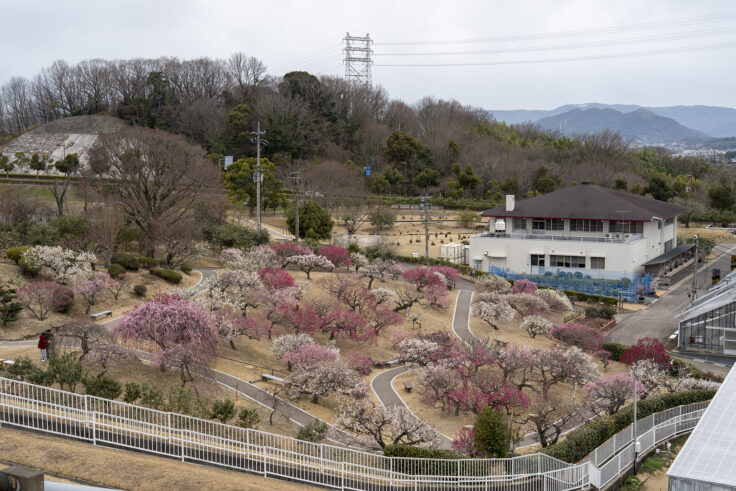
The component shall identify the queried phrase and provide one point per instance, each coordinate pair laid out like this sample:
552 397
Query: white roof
710 452
720 294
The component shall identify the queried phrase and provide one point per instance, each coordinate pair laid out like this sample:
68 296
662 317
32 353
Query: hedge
15 253
140 290
186 268
125 260
585 439
115 270
591 297
167 274
423 467
147 262
615 349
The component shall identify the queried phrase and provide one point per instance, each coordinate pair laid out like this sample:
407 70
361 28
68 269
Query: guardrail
102 421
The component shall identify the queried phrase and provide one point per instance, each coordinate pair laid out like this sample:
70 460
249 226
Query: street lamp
637 445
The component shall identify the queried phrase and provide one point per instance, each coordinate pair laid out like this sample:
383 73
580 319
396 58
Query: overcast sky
506 40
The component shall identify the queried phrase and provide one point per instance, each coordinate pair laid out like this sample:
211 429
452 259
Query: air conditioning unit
628 236
608 236
485 253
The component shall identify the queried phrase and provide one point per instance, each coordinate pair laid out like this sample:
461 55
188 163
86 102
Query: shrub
492 433
167 274
28 268
15 253
427 466
186 268
353 247
313 431
22 367
646 349
151 396
125 260
602 312
102 386
63 299
147 262
583 440
223 410
230 235
314 221
115 270
615 349
380 251
132 392
248 418
140 290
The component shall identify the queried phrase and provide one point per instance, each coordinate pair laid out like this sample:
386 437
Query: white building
585 230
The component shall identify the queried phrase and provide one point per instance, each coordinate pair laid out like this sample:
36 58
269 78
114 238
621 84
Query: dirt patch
122 469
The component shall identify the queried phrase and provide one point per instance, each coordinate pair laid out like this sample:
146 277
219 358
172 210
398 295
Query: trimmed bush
147 262
423 467
585 439
63 299
140 290
186 268
115 270
102 386
167 274
27 268
615 349
492 433
312 432
15 253
248 418
125 260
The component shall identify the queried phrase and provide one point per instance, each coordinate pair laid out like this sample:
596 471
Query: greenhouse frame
709 323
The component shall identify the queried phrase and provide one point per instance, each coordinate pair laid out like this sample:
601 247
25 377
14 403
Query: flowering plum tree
550 416
613 391
275 278
385 425
493 312
646 349
285 250
464 442
381 270
92 289
319 379
58 264
556 300
256 259
557 364
417 350
117 285
310 354
184 332
358 260
286 343
526 304
583 336
535 325
515 364
436 382
423 276
450 274
436 295
308 262
37 297
524 286
363 364
338 256
493 284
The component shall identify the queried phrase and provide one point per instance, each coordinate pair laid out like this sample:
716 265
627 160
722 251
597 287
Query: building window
519 224
669 221
537 259
597 263
567 261
548 224
586 225
625 227
668 246
659 224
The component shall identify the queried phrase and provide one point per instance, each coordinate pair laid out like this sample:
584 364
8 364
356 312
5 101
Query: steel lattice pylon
358 59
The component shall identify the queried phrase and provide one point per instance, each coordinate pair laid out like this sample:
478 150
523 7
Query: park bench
101 314
673 336
7 364
408 386
274 378
387 364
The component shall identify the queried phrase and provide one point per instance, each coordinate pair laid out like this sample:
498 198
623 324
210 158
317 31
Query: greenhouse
706 461
709 323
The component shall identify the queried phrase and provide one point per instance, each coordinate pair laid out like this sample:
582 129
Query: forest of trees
327 125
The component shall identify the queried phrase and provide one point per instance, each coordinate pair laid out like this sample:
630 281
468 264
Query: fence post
321 461
391 471
181 440
342 473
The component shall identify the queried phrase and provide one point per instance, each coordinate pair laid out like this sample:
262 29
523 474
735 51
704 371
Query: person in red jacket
42 345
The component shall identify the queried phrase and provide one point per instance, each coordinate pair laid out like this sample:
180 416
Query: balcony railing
613 238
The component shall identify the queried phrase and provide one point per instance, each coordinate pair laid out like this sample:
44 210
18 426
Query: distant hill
640 125
714 121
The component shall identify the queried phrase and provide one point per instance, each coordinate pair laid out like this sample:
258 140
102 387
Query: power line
659 24
592 44
705 47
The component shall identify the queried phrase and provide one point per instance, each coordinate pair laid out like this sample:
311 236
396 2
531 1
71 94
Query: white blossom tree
59 264
308 262
417 350
613 391
493 284
385 425
493 312
381 270
319 379
535 325
555 299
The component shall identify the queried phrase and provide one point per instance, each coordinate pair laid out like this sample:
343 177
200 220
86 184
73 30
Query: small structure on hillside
454 253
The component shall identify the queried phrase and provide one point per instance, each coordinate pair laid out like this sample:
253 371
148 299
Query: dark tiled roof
672 253
592 202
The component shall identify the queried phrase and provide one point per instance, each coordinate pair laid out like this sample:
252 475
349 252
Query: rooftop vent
510 202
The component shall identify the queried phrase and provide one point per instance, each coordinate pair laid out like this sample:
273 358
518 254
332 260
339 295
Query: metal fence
192 439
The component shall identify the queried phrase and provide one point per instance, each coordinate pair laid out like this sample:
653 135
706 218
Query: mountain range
690 124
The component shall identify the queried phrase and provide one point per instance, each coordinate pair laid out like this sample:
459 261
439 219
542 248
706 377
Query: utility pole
425 204
357 59
258 176
694 288
636 440
296 177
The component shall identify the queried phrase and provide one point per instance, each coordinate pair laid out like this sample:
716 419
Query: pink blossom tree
436 295
363 364
285 250
184 331
583 336
319 379
449 273
524 286
310 354
338 256
556 300
515 364
646 349
37 297
92 289
436 382
275 278
286 343
422 276
348 324
558 364
527 304
613 391
309 262
464 442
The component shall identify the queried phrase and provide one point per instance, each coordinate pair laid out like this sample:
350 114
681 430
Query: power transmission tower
258 175
358 59
295 176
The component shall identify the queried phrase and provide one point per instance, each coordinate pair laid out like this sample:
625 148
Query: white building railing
174 435
614 238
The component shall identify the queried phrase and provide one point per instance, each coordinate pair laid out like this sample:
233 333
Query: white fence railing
115 423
